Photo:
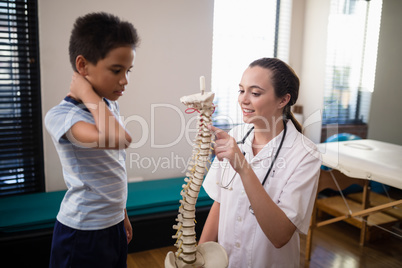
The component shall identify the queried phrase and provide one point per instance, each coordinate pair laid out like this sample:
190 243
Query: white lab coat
292 185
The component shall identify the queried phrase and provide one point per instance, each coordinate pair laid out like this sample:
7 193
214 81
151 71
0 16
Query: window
21 154
353 32
244 30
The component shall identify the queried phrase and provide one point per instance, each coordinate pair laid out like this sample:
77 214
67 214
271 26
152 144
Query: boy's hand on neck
81 90
107 132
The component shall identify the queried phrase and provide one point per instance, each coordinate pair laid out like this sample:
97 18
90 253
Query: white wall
312 59
175 50
385 112
297 35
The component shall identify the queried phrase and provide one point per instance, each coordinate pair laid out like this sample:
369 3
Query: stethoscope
270 167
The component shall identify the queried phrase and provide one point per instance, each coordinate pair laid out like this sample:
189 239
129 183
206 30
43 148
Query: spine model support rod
188 254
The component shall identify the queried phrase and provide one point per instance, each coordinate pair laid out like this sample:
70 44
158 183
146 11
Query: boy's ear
81 65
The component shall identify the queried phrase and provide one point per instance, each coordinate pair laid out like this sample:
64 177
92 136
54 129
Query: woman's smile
247 111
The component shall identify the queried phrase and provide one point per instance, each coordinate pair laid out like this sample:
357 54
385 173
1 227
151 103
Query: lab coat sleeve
211 181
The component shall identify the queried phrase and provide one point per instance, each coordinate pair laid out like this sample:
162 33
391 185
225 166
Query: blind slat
21 149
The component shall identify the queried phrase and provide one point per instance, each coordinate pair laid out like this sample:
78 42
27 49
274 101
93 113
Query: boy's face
109 76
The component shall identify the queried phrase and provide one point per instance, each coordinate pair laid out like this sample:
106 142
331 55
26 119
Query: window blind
243 31
353 32
21 153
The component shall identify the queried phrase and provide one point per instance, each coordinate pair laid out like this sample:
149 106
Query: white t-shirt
292 185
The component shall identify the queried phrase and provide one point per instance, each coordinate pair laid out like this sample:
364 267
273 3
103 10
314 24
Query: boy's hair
96 34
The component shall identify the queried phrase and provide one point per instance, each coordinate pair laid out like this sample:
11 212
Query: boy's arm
107 133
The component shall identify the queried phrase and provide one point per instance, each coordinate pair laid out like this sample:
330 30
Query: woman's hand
226 147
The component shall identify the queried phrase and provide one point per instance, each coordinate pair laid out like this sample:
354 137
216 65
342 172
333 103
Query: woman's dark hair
96 34
284 80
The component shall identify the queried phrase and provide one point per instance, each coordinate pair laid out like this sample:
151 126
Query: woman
264 178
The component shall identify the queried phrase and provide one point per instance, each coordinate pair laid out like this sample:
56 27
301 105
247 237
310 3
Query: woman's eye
116 71
256 94
241 91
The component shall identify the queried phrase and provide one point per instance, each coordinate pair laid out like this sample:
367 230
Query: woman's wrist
240 165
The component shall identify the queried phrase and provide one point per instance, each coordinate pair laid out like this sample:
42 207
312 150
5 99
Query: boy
92 227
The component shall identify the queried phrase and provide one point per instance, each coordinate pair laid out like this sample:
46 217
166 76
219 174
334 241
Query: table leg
365 204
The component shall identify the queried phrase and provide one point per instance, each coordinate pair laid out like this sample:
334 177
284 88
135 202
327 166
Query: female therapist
264 178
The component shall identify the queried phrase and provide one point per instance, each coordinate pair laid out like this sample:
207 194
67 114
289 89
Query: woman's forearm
210 230
272 220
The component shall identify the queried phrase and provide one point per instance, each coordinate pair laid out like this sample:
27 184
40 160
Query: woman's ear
284 101
81 65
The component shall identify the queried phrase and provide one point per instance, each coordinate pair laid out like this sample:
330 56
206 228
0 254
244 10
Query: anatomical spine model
188 254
